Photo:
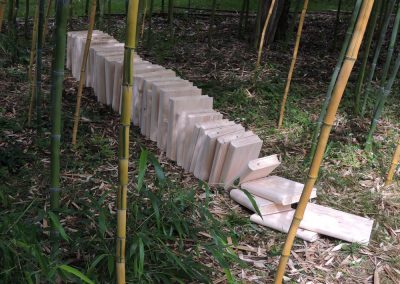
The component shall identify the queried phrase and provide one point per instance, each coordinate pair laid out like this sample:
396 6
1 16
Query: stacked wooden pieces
274 197
168 110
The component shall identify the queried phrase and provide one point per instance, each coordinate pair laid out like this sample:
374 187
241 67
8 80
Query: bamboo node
55 189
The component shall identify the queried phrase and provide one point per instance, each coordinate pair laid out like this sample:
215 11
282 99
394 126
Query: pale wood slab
281 222
277 189
195 144
240 152
191 118
221 148
259 168
206 154
337 224
265 206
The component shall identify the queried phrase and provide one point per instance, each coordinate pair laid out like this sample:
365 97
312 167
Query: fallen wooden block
205 158
277 189
265 206
221 148
337 224
259 168
281 222
195 144
185 137
156 87
240 152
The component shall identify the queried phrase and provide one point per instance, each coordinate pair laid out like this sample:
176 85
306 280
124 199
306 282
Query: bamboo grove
362 54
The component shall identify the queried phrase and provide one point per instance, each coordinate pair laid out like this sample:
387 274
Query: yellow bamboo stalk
31 61
348 64
293 63
271 8
46 21
395 162
123 145
82 77
3 4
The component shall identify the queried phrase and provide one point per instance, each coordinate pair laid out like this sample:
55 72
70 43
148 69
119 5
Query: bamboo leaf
56 223
159 171
142 168
141 256
76 273
253 201
96 262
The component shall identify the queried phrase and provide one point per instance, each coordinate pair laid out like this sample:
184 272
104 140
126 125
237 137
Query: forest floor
350 178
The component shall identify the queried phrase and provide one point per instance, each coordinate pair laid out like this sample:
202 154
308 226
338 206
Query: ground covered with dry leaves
350 179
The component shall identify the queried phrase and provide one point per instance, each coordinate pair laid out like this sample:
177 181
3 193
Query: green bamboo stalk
46 21
212 21
349 34
382 34
292 24
384 94
56 97
123 145
337 21
82 77
368 42
257 29
38 83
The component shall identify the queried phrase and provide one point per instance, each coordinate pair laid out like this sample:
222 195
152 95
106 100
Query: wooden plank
259 168
337 224
277 189
240 152
265 206
281 222
206 155
191 118
221 148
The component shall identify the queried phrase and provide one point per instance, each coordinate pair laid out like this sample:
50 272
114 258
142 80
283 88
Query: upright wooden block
259 168
281 222
221 148
207 151
280 190
337 224
240 152
191 118
155 103
265 206
199 128
110 74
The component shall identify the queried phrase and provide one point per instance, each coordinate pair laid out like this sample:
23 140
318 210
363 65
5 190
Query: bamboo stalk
348 64
241 18
143 19
293 63
82 77
379 44
3 4
46 21
56 97
292 23
123 155
393 166
349 34
31 62
337 21
38 83
26 16
150 31
212 21
271 8
257 23
384 94
369 37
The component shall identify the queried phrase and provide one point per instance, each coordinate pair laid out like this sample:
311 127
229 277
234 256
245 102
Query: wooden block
205 158
280 190
138 87
155 103
221 148
191 118
281 222
195 144
265 206
337 224
259 168
240 152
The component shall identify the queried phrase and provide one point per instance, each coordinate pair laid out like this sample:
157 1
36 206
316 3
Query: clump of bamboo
349 34
123 145
38 80
348 64
31 62
395 162
56 96
292 64
378 48
82 76
261 44
3 4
